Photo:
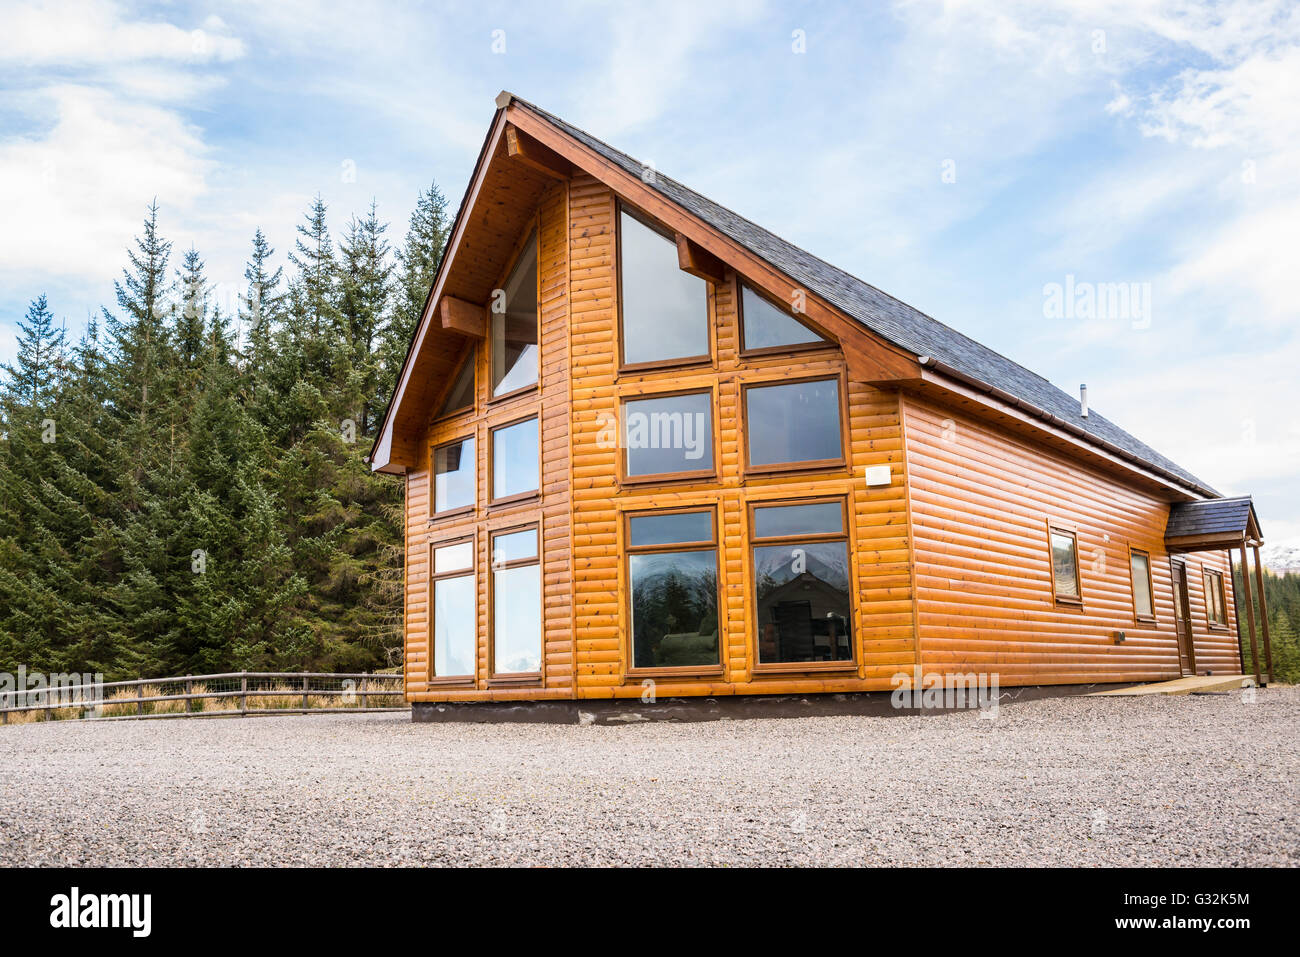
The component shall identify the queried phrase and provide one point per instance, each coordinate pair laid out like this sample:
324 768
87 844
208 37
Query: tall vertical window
461 395
802 598
669 435
673 577
453 476
1140 568
516 604
665 311
515 462
453 629
514 326
793 424
1065 565
764 327
1216 600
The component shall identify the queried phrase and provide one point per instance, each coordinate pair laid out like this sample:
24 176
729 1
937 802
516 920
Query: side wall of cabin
982 500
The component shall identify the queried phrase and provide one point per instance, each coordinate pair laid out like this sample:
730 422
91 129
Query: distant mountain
1281 558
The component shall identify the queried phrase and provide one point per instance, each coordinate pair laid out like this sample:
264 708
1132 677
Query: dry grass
281 695
213 705
277 696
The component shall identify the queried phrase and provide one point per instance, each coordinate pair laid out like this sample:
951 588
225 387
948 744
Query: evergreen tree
40 351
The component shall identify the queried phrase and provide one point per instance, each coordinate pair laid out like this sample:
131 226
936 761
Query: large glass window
516 603
514 326
673 573
453 476
1215 598
455 611
665 310
801 581
1140 567
461 396
1065 565
665 435
763 326
515 459
793 423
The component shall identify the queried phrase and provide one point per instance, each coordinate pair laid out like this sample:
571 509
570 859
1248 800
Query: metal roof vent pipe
1083 400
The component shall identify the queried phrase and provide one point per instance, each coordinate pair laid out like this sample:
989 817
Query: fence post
243 694
189 692
305 682
365 694
139 699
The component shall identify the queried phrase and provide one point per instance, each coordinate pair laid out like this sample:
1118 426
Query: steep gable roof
888 317
931 343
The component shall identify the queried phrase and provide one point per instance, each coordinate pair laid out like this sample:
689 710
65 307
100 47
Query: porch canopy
1218 524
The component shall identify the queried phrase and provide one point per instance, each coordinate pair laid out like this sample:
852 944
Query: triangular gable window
765 327
461 396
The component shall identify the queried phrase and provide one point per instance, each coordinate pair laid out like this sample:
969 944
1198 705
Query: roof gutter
930 362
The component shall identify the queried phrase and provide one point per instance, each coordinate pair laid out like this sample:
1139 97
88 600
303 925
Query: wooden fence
234 694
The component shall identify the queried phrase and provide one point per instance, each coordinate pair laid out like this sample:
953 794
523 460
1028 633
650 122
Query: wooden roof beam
524 148
698 261
463 317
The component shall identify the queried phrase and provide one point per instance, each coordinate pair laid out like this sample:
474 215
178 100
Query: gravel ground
1148 781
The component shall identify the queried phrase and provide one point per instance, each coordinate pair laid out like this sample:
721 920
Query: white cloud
88 32
80 188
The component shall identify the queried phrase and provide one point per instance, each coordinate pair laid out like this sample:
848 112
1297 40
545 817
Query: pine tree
40 351
419 258
366 287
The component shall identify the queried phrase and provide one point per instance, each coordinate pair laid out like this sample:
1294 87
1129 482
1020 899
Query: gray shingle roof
1219 516
888 317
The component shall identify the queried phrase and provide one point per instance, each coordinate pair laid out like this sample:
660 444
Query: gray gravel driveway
1194 780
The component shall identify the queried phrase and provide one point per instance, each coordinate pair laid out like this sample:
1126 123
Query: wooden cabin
645 440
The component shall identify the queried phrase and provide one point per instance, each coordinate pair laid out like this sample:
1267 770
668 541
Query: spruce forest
184 491
1282 598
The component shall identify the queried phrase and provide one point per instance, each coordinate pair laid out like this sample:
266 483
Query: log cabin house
644 439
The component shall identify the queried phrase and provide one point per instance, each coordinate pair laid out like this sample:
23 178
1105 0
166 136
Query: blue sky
964 157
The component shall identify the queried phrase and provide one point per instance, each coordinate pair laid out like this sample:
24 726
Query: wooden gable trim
870 357
393 454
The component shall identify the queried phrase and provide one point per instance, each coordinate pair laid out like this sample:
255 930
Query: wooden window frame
1150 619
472 358
780 468
1215 576
1062 528
460 510
664 478
431 679
534 226
752 541
654 365
514 677
828 343
630 671
518 497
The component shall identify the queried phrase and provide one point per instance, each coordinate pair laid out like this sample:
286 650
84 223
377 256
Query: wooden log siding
585 589
982 500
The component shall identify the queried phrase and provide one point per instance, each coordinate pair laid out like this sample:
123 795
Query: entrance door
1183 621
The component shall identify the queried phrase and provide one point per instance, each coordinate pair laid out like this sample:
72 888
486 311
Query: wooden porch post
1250 613
1263 614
